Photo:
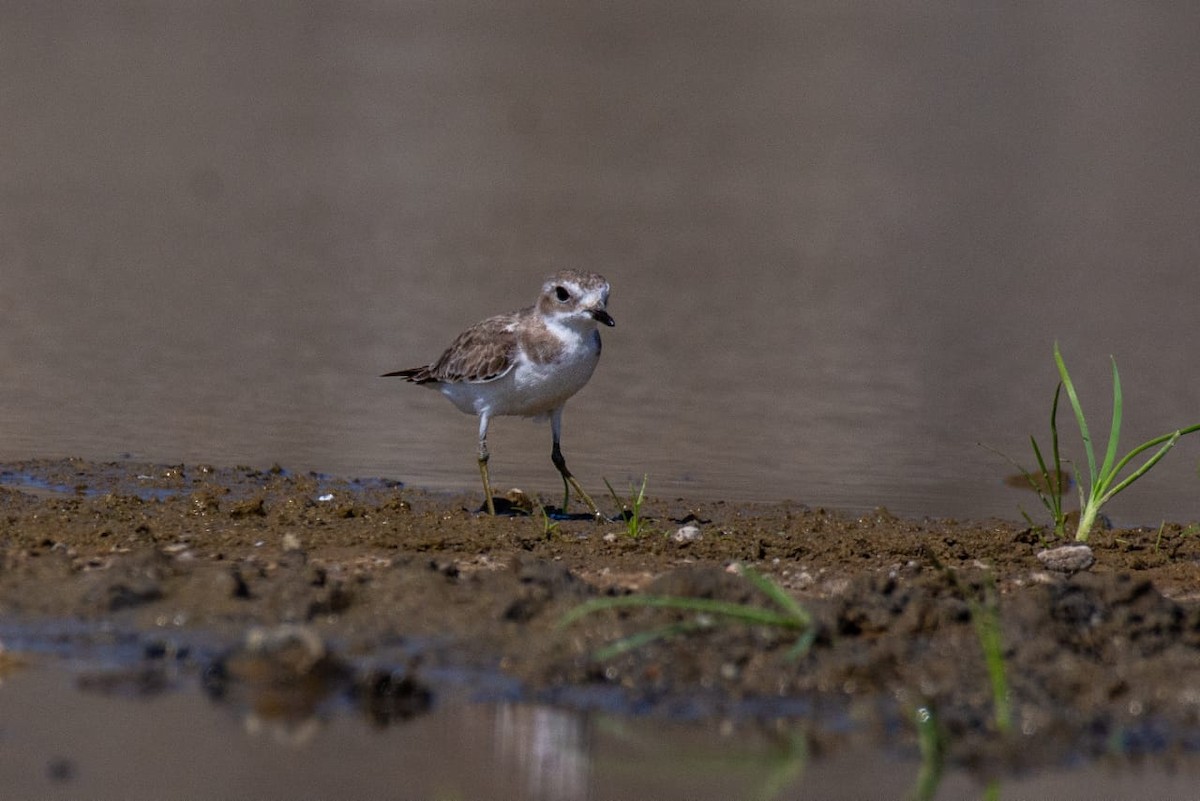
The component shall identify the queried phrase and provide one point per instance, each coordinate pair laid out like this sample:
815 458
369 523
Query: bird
527 363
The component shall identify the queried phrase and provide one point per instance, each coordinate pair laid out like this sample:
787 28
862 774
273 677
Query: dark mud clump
301 588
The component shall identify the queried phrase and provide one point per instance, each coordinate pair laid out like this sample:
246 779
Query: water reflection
549 747
179 744
286 680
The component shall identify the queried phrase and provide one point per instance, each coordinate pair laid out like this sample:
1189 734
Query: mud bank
257 580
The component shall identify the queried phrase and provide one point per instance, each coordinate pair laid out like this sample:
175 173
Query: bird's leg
557 457
569 482
483 460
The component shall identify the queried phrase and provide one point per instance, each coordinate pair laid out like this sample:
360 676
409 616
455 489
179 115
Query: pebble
688 533
1068 558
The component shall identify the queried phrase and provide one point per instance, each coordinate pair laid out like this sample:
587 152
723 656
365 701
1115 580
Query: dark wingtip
417 375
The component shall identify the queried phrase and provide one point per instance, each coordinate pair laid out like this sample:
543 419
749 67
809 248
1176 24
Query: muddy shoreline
277 590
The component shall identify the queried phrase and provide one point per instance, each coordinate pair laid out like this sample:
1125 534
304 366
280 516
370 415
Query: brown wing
483 352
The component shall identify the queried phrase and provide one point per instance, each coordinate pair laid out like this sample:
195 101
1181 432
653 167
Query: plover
527 363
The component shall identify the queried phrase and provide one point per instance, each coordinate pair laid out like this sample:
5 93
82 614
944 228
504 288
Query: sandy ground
303 585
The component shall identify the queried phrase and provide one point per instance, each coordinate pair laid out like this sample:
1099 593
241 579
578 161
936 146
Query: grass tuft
631 510
1103 482
549 524
708 613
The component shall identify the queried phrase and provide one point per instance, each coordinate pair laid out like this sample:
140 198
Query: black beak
601 316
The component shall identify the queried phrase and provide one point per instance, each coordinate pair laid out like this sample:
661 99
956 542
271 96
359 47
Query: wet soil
279 589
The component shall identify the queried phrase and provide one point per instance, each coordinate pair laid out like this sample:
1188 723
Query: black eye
562 294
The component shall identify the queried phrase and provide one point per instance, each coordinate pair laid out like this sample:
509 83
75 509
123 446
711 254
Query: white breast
540 388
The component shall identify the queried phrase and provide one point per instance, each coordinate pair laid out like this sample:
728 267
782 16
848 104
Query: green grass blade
1055 499
784 770
1134 476
1050 493
987 630
1037 454
1115 432
793 616
1129 457
932 743
1052 502
613 493
1060 517
1033 485
746 614
802 645
776 593
635 641
1058 471
1079 418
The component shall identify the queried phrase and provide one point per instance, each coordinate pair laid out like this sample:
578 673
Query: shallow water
842 240
64 741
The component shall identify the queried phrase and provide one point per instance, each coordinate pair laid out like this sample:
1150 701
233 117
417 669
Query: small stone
290 542
1068 558
610 537
802 580
518 501
688 533
250 507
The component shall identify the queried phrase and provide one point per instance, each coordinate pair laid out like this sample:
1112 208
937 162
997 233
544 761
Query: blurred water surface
64 742
842 238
